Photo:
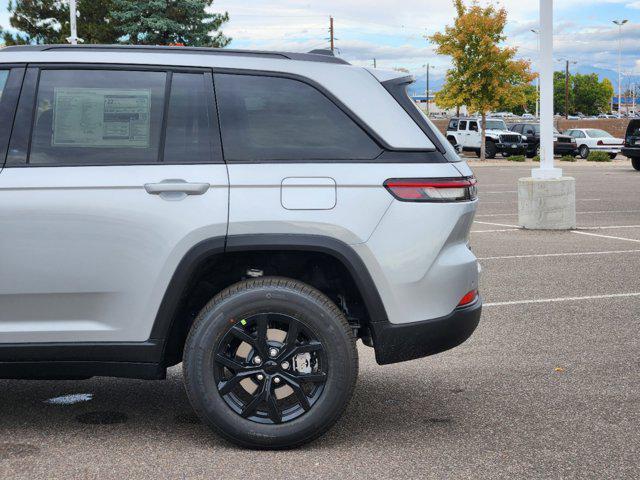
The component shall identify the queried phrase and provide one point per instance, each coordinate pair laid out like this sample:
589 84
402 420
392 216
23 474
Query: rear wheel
635 161
490 149
613 155
270 363
584 151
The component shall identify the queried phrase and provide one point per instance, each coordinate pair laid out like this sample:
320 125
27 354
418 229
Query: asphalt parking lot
547 387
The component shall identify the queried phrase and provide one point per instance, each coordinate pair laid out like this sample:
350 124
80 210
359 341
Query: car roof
323 56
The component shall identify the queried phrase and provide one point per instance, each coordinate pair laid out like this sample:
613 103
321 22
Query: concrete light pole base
547 204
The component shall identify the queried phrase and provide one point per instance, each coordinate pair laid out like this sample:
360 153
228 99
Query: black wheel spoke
272 406
262 325
308 347
226 386
316 377
242 335
229 363
292 334
303 400
250 407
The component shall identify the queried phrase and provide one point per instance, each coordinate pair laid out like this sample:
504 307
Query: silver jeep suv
249 214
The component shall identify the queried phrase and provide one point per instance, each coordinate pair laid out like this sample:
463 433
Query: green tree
484 74
47 22
591 95
559 93
165 22
522 102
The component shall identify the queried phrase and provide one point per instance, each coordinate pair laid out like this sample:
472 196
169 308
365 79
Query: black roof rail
314 56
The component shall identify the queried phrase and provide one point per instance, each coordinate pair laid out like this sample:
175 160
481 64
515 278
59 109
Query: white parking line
480 193
609 227
496 224
607 236
498 230
580 213
561 299
568 254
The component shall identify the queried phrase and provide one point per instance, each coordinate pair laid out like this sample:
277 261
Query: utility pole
375 64
331 34
537 34
566 91
73 39
620 23
428 90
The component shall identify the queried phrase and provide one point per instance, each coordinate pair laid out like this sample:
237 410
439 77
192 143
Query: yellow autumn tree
484 72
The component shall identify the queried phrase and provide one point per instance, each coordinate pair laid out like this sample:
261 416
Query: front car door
112 175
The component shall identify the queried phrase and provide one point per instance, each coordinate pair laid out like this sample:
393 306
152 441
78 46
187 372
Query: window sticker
101 117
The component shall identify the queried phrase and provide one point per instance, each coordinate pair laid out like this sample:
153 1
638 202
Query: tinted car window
463 125
473 126
95 117
517 128
4 74
271 118
191 137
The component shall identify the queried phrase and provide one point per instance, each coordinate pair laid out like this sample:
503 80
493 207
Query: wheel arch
167 325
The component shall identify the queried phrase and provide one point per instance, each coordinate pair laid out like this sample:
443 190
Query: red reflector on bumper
468 298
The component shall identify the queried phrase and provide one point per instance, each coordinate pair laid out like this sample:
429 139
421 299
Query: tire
612 156
635 161
584 151
490 150
452 141
211 358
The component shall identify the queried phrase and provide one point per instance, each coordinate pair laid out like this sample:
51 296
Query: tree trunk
483 137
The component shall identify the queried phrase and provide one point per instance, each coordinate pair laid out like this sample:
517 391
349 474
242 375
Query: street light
620 23
428 67
537 34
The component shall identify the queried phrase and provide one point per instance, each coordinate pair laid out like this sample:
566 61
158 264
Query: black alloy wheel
270 380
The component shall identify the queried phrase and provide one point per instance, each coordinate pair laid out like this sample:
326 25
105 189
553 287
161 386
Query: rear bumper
562 148
400 342
631 151
608 148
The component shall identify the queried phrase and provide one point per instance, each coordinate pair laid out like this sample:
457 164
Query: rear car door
112 175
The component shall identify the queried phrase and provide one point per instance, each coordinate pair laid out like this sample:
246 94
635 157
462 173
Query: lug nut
260 377
257 360
276 379
273 352
285 365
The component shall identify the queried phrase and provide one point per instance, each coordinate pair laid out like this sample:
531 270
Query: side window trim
8 107
23 121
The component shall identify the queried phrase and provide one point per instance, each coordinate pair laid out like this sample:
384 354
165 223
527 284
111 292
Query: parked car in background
631 147
562 144
528 116
588 139
466 134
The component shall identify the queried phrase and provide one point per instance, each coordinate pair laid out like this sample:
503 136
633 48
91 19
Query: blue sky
393 32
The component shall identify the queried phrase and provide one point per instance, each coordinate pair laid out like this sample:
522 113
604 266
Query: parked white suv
249 214
466 134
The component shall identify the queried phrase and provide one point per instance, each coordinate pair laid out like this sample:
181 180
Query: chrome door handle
176 189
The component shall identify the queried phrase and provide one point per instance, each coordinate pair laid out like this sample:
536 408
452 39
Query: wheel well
212 275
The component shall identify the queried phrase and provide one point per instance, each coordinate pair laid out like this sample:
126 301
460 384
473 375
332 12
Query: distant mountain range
436 81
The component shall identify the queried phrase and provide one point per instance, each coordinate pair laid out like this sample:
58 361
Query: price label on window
100 117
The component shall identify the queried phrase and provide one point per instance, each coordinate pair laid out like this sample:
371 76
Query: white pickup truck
465 133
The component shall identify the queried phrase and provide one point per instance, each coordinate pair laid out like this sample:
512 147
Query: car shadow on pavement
383 409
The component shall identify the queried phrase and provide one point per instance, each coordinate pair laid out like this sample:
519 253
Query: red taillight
468 298
432 189
600 142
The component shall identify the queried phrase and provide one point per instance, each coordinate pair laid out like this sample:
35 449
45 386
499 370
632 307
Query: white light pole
428 87
620 23
73 39
546 169
537 33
